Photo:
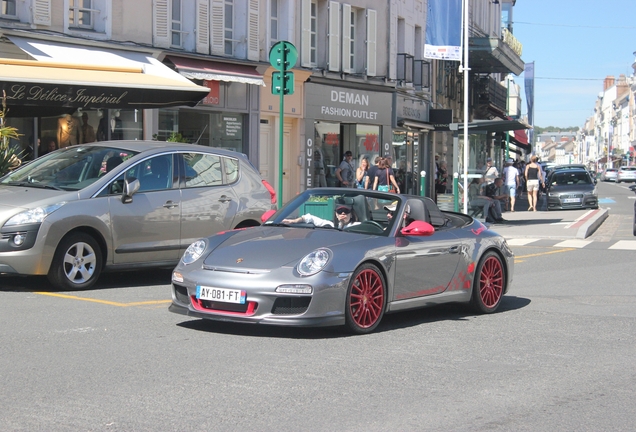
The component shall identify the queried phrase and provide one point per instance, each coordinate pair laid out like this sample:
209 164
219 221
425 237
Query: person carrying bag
385 180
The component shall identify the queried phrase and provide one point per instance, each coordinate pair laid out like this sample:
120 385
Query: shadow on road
390 322
109 280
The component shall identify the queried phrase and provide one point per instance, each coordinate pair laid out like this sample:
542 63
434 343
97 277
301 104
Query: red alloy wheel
491 282
366 299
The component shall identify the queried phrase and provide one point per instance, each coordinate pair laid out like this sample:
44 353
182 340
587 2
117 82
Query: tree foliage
9 158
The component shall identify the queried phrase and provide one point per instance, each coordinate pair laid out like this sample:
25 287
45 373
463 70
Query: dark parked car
343 257
121 205
571 188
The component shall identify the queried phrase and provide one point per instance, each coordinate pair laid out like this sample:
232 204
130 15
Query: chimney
608 82
622 87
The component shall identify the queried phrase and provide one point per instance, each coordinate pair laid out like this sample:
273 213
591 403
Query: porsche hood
265 248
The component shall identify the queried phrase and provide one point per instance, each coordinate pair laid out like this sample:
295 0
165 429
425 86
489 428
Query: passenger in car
345 218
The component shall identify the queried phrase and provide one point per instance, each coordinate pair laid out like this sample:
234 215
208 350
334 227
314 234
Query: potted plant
9 159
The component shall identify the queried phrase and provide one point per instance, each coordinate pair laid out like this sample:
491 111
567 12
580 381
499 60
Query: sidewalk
558 224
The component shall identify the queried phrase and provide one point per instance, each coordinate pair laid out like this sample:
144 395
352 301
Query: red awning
216 71
520 135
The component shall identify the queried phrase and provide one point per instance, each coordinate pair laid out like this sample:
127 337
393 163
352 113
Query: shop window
9 9
202 170
326 154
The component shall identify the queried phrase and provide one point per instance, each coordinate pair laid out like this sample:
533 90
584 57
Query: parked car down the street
343 257
609 174
626 174
571 188
121 205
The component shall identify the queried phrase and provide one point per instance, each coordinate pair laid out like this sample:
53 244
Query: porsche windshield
72 168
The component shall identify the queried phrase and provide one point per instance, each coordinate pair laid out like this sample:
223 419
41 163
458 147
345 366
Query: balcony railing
405 67
487 91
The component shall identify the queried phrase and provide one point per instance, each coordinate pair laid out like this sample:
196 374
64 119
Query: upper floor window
81 14
176 17
8 9
274 22
352 39
228 27
313 32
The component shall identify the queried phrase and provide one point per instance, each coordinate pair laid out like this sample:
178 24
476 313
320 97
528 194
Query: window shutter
252 31
160 28
305 42
334 36
371 42
346 38
218 30
42 12
203 27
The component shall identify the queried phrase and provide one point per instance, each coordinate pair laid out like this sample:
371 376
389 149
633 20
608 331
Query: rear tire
489 284
77 263
366 300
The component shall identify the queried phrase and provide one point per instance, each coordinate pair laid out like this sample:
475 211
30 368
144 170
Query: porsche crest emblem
240 260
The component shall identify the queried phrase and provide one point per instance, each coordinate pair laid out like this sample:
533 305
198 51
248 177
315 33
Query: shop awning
98 79
216 71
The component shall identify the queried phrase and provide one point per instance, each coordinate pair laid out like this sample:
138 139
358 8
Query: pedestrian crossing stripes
572 243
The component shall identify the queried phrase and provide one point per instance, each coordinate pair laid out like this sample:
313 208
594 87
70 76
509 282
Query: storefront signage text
309 155
349 98
79 97
232 126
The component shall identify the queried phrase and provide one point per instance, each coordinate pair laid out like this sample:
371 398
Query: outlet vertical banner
528 83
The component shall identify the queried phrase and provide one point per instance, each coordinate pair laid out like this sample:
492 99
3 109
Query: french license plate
220 294
572 200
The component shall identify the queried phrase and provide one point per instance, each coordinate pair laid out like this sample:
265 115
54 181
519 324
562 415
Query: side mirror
131 185
268 214
418 228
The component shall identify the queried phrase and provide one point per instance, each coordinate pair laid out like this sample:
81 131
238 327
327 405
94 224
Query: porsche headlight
313 262
36 215
194 252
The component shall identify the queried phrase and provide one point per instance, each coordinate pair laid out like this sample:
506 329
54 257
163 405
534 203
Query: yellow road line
111 303
520 258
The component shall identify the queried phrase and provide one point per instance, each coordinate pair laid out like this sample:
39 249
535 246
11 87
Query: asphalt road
558 356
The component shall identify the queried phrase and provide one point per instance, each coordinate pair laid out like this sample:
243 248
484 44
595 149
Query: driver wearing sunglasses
345 218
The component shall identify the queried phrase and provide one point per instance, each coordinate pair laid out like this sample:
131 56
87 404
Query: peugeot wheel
366 299
77 263
489 284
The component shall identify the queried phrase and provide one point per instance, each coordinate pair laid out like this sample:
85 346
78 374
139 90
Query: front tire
489 284
366 300
77 263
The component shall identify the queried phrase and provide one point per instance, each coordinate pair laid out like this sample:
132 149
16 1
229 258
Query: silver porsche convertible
336 256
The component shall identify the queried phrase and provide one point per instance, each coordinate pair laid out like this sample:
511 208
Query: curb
592 224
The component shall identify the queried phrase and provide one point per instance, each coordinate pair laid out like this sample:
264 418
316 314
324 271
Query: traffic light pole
282 56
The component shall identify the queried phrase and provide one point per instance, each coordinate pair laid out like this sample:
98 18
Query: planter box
321 209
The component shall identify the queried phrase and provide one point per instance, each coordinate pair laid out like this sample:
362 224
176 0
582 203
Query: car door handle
225 198
453 249
171 204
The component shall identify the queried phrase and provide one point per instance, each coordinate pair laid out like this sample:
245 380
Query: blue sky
580 40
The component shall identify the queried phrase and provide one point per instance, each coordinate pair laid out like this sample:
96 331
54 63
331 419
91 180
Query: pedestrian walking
345 172
511 180
534 177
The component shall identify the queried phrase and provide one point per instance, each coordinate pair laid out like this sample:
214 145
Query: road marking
573 243
111 303
624 245
520 241
520 258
